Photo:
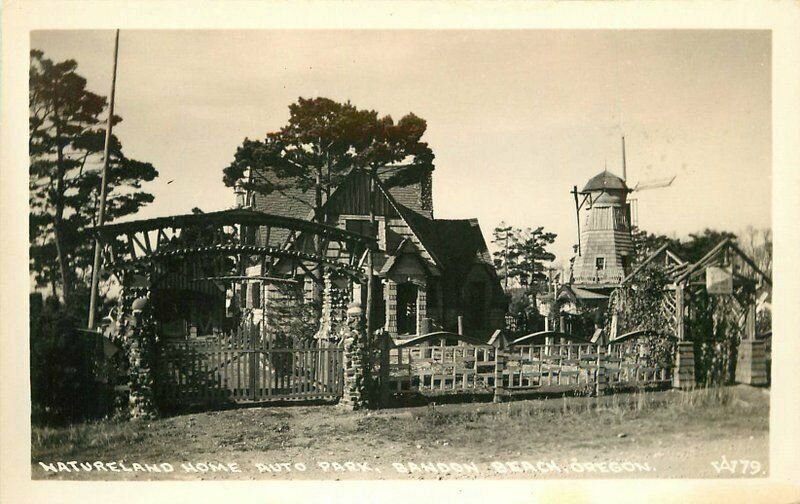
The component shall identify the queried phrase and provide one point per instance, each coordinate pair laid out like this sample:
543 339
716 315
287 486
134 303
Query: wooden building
605 252
427 272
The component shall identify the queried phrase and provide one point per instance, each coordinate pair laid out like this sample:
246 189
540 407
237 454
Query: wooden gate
244 367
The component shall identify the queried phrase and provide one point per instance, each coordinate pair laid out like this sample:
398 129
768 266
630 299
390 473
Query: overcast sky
515 118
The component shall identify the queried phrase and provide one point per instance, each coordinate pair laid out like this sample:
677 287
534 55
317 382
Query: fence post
498 342
385 344
600 375
683 376
751 365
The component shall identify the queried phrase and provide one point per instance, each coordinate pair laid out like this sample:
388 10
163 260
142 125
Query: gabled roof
605 180
707 259
294 202
675 264
456 243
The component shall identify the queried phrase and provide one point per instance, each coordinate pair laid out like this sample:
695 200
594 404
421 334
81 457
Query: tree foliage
521 254
638 307
691 248
322 141
66 128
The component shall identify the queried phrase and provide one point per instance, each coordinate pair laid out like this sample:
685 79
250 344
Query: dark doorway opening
476 300
406 308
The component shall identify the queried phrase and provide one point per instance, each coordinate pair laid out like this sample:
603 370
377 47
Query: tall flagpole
102 214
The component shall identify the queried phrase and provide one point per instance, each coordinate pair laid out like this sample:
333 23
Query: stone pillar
356 372
425 325
683 375
325 331
139 340
422 306
391 307
751 363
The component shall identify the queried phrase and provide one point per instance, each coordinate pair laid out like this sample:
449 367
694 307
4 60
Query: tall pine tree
66 128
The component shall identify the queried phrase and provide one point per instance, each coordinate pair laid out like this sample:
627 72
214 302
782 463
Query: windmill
605 246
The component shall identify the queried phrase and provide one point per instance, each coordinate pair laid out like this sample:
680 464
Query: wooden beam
679 322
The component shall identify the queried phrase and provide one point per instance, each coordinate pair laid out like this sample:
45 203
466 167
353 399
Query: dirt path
654 435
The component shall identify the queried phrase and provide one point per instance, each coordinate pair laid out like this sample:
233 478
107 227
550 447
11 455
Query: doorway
407 308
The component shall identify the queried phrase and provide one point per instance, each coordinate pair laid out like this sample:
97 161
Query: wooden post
750 322
751 364
499 367
600 375
679 325
103 183
385 344
683 375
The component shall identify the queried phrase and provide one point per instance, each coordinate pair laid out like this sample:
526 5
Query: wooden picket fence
626 367
551 367
243 367
435 368
442 368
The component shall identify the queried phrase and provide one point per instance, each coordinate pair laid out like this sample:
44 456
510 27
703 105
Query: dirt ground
721 433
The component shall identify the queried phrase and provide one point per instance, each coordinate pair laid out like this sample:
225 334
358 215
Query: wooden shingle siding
607 218
401 228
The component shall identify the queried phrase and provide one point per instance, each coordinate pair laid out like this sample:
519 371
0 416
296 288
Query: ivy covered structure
251 304
708 307
177 323
705 310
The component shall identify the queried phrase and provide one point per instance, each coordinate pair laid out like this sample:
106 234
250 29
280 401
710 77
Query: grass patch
457 430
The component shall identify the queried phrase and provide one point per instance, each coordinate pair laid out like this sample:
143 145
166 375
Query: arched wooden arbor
711 303
204 251
255 238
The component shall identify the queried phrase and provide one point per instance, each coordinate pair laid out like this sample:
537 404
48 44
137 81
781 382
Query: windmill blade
654 184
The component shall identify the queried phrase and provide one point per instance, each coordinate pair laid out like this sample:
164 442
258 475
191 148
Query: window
255 295
600 263
363 227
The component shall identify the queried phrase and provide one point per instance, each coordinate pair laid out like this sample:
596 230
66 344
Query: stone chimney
426 191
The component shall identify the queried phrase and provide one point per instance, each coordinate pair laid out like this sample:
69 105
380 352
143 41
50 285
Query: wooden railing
559 366
434 368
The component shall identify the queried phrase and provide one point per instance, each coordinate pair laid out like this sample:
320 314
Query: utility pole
578 215
624 167
505 262
102 213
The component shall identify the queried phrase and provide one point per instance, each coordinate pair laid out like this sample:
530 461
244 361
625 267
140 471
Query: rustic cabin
429 274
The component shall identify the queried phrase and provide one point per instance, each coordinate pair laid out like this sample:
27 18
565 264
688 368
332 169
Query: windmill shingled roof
604 180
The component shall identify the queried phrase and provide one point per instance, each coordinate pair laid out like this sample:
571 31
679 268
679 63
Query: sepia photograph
396 254
415 255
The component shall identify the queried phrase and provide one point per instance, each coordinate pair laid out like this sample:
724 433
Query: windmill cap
605 180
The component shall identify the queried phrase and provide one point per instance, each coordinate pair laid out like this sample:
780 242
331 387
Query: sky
515 117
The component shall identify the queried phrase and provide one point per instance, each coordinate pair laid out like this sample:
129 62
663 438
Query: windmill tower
605 248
